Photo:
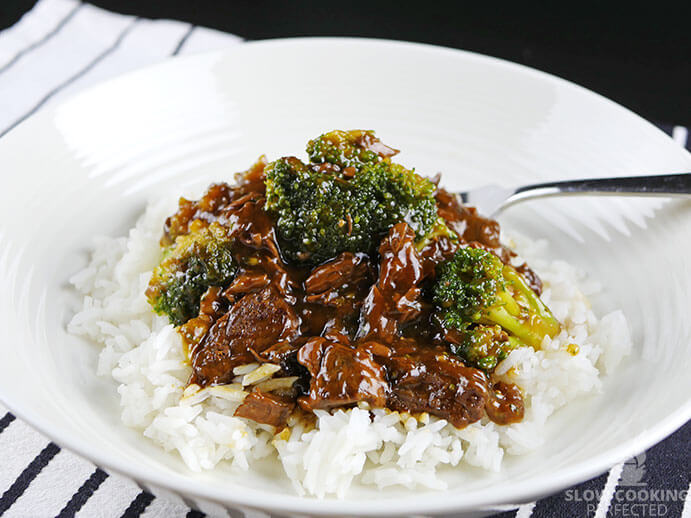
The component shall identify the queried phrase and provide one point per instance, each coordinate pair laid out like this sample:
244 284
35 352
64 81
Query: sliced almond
231 392
261 373
244 369
276 383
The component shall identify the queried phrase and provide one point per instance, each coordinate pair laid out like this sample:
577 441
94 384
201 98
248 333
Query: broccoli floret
352 148
475 287
189 266
322 212
482 346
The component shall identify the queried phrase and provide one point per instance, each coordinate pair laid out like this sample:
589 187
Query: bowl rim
428 502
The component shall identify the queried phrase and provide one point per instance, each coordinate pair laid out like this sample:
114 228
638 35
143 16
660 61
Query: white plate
87 166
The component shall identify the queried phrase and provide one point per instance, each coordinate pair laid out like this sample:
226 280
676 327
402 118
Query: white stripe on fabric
163 507
526 510
149 42
52 487
173 502
608 490
33 27
19 445
111 498
38 73
80 73
680 134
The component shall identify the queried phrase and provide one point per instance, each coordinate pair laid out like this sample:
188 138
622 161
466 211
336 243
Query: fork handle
656 185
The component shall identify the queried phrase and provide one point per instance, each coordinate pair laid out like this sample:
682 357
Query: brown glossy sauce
355 329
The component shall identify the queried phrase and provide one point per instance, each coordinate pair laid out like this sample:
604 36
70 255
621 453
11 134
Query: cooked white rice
144 355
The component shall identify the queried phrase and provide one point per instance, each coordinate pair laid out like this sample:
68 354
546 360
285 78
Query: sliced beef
218 197
256 322
341 376
465 220
336 278
266 408
369 142
257 250
252 180
201 212
394 298
435 252
505 403
247 282
334 292
429 380
250 224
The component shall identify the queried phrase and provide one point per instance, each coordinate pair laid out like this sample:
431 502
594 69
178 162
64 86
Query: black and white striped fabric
62 46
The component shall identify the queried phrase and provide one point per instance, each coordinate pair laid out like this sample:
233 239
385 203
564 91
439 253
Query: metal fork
492 199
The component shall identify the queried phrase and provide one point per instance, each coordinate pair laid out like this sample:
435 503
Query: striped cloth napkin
62 46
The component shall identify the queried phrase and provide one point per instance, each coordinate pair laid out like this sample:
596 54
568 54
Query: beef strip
394 299
203 211
257 250
217 197
250 224
429 380
336 276
341 376
247 282
266 408
252 180
369 142
334 292
256 322
505 404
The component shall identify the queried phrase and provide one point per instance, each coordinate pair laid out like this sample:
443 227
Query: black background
637 55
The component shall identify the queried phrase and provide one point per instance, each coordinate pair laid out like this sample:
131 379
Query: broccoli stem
523 314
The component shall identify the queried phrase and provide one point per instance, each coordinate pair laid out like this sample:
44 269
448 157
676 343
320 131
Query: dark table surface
637 55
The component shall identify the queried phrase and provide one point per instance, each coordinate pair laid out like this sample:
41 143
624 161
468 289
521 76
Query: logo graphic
629 499
633 472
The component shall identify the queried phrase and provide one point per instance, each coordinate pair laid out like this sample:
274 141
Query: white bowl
87 166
